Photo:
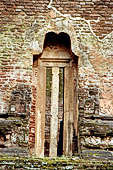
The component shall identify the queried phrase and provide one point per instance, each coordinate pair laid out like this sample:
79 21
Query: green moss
53 163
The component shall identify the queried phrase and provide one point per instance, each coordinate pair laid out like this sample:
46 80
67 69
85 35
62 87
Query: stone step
75 163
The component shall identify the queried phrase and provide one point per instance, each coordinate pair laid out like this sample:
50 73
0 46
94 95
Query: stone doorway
56 118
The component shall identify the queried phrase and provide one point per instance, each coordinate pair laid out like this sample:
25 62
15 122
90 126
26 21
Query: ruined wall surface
23 25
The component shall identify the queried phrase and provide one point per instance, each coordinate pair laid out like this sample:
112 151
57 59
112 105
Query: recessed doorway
56 121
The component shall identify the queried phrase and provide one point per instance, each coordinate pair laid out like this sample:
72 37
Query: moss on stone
53 163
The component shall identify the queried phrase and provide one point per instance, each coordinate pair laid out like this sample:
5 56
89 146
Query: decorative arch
64 25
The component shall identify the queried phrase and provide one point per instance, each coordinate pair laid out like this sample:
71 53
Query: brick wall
22 32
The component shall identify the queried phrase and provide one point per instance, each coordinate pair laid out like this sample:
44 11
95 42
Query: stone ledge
92 116
97 154
13 152
96 127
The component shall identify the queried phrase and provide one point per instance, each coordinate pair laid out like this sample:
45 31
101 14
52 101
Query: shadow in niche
62 39
60 142
74 142
2 139
4 115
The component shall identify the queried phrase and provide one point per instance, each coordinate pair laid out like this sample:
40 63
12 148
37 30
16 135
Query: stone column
68 111
40 113
54 112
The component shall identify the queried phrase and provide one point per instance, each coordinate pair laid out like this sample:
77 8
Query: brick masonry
24 25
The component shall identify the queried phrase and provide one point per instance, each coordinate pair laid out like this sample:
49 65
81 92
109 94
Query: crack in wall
79 19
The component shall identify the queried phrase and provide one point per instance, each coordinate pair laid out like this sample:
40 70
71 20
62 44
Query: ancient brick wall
23 26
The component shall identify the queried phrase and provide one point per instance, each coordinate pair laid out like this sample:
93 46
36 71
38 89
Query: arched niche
57 72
